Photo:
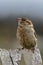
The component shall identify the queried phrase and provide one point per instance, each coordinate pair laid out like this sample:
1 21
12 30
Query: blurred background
10 10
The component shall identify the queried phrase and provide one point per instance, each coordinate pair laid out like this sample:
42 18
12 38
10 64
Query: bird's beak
18 19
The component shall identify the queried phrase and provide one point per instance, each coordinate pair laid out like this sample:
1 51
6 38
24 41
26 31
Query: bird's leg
20 48
33 50
23 48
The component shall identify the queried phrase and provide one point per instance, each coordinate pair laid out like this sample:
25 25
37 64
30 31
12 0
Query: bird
26 34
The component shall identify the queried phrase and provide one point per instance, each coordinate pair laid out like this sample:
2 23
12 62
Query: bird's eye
28 22
23 19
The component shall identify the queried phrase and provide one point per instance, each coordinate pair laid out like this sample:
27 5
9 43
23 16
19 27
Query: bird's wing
35 34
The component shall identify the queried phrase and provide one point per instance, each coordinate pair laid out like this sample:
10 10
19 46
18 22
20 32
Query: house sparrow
26 33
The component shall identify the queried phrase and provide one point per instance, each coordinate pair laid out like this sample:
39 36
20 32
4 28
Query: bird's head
24 22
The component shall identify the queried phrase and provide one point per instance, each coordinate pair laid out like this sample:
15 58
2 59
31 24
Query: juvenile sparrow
26 34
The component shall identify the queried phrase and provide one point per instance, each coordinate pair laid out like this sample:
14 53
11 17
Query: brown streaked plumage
26 33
